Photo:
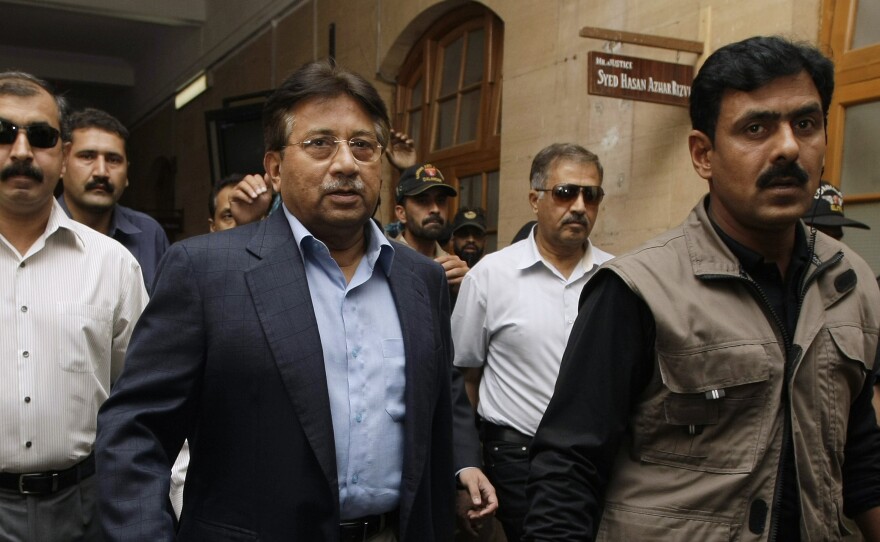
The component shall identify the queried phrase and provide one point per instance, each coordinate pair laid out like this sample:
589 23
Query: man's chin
98 206
470 258
434 234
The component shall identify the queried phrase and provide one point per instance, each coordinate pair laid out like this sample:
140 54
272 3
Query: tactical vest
703 455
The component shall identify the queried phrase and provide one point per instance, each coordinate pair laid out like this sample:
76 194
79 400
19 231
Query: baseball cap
416 179
469 216
827 209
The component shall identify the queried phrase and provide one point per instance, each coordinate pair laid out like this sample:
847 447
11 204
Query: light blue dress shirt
364 360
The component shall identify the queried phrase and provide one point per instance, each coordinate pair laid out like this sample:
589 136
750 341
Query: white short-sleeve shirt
513 317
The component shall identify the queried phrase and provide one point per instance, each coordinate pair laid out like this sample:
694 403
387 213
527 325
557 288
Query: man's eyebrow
91 150
765 115
755 115
36 123
810 109
328 132
322 131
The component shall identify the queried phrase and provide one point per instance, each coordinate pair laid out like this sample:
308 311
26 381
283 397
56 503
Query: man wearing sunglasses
515 312
71 297
717 384
95 175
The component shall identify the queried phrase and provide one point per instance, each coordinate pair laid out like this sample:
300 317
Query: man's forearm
472 376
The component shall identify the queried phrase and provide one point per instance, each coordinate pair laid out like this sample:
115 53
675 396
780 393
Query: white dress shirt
513 317
68 307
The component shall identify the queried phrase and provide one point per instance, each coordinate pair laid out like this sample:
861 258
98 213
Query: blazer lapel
416 320
278 285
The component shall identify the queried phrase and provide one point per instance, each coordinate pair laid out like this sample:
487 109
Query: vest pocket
711 415
855 344
844 362
622 524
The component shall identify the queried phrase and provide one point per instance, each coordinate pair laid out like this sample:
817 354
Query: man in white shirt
515 311
70 299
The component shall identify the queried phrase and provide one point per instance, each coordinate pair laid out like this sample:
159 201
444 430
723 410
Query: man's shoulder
599 255
142 221
238 237
506 258
98 245
662 243
408 257
233 247
827 248
139 218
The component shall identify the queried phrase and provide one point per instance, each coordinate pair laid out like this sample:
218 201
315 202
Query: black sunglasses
41 136
565 193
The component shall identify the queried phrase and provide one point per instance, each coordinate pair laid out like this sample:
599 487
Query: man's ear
400 213
65 154
533 200
272 165
701 149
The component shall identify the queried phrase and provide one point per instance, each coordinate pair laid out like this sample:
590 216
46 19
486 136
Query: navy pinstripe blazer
227 354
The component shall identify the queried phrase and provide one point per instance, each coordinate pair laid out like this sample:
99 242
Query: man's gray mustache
335 185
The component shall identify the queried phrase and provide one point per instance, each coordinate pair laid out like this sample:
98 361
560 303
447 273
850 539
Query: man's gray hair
548 156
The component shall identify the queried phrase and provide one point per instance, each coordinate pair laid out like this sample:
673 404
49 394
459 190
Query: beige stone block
531 37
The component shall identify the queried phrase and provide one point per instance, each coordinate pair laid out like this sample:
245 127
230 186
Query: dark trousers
70 515
506 462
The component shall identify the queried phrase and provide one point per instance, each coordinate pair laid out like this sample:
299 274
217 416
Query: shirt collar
751 260
118 222
121 223
438 250
531 255
60 222
378 248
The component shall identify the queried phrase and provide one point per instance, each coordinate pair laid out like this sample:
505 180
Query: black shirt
781 297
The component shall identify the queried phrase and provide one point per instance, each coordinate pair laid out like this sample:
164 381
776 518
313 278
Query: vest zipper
788 370
786 428
786 419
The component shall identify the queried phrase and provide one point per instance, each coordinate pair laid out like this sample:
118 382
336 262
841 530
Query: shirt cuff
458 483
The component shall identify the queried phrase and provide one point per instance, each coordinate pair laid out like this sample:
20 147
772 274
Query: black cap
416 179
469 216
827 209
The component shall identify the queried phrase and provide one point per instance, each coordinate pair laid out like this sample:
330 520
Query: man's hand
868 522
401 150
477 501
455 269
251 199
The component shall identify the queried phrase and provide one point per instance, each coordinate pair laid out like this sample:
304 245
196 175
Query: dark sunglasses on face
41 136
565 193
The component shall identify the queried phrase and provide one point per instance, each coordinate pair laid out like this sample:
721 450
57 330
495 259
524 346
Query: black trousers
506 462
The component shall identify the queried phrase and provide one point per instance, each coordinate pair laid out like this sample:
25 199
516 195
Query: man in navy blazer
306 358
